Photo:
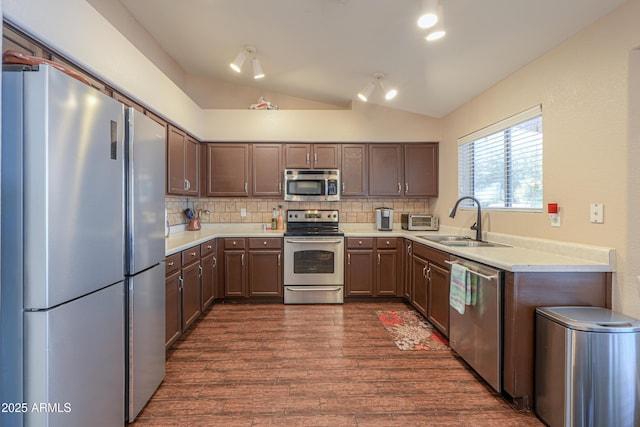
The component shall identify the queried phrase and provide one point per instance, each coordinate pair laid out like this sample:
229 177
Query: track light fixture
378 78
248 52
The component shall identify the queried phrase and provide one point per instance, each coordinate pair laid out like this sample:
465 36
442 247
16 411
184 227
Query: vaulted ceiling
326 51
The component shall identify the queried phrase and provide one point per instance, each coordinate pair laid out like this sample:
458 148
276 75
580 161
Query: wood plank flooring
316 365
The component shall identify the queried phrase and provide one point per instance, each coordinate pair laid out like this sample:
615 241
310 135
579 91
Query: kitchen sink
443 238
462 241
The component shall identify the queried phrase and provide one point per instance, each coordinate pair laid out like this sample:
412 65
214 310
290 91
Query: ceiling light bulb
391 93
427 20
236 65
366 92
435 35
257 69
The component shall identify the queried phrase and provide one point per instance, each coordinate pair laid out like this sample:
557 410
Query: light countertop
522 254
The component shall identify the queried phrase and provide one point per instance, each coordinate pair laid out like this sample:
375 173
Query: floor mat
411 332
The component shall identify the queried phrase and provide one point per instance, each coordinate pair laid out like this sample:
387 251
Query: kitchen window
501 165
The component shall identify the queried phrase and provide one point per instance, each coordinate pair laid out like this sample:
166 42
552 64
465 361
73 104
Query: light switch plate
596 213
243 212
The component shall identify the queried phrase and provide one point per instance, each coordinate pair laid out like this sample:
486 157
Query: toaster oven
420 222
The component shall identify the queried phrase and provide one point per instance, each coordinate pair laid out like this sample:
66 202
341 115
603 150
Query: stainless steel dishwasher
476 335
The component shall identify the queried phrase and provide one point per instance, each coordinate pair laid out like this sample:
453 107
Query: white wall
583 86
365 122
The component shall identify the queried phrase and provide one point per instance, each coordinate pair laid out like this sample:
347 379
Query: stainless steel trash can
587 367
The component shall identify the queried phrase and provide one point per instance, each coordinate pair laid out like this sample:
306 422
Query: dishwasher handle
484 276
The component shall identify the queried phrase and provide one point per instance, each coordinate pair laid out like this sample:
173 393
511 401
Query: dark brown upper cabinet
353 169
228 172
267 170
182 163
312 156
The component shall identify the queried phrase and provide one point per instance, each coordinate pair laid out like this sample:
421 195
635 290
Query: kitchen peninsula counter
521 255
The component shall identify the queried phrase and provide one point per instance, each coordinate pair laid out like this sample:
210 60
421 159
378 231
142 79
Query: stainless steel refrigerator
145 248
63 300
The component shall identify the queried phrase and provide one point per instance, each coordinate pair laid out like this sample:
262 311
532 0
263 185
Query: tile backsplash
227 210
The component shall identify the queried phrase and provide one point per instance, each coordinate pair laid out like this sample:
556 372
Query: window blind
501 165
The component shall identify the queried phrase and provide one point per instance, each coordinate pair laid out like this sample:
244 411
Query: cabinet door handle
349 259
209 246
343 186
409 249
279 187
181 285
399 188
192 254
215 262
234 243
360 242
307 158
242 259
429 274
246 188
200 272
264 243
171 264
424 272
388 243
406 187
378 259
279 256
315 158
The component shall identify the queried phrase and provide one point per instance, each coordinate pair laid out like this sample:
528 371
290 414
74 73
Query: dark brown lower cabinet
191 294
265 267
372 266
359 272
387 261
235 272
430 285
173 300
253 267
438 297
209 264
419 267
407 259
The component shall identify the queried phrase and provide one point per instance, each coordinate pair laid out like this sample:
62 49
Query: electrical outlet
596 213
243 212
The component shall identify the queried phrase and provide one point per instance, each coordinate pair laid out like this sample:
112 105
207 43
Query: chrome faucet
478 225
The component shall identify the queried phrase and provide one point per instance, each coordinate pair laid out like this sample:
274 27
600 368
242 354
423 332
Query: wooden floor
316 365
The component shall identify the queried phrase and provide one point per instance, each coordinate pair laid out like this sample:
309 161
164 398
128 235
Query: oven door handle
313 241
301 288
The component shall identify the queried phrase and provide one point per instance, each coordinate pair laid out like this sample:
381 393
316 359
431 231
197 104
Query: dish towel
471 296
458 287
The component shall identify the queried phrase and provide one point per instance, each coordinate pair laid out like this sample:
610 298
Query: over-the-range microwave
311 185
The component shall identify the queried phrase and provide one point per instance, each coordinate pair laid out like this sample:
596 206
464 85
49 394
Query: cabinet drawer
360 242
265 243
172 263
207 248
191 255
231 243
434 255
386 243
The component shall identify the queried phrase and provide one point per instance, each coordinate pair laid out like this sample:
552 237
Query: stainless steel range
313 257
